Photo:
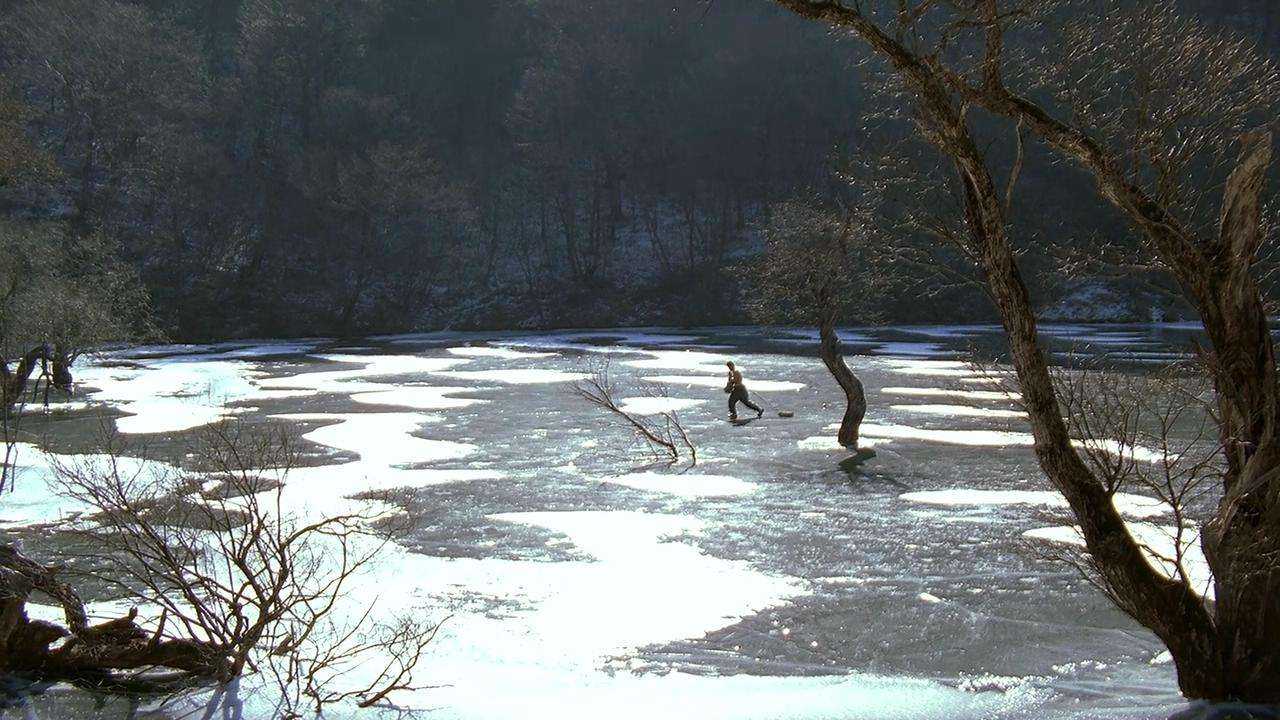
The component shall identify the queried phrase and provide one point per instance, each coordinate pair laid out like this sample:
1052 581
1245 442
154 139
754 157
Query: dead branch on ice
662 434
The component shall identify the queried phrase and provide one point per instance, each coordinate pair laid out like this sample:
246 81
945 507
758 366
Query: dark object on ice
786 414
738 393
860 456
1227 711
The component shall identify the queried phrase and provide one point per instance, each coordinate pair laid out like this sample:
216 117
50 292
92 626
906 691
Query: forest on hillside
294 167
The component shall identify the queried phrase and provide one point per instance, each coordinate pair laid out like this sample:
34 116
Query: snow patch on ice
503 353
949 392
359 380
1134 506
516 376
992 438
171 394
420 397
386 447
960 411
1159 543
682 360
829 443
1003 438
657 405
686 485
32 494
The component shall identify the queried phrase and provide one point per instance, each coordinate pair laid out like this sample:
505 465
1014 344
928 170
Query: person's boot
760 413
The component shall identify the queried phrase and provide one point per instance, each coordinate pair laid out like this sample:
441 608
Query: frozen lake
773 580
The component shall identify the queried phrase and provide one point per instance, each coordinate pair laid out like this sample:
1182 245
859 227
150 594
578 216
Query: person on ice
738 393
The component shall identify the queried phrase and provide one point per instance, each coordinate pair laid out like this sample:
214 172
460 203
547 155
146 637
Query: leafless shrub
248 584
662 435
1151 434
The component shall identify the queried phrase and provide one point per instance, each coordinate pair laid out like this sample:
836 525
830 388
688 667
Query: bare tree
815 270
239 581
950 57
662 434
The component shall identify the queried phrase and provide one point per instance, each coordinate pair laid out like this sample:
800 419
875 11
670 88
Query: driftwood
667 438
46 649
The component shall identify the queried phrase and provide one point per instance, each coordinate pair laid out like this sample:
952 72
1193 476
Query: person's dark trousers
740 396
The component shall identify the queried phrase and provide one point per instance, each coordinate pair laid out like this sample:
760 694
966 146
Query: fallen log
50 650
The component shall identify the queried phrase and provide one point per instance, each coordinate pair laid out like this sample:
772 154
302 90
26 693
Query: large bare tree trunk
855 396
1232 655
1242 541
1167 607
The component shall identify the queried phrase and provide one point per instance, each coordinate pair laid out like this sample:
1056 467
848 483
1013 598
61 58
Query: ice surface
220 351
994 438
516 376
831 444
685 485
948 331
960 411
718 382
1103 339
623 342
806 336
546 658
950 392
912 349
623 337
785 574
682 360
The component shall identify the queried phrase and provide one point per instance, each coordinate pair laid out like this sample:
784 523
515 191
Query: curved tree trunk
855 396
1215 273
1216 660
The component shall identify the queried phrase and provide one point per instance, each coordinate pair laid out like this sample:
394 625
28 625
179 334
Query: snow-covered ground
774 580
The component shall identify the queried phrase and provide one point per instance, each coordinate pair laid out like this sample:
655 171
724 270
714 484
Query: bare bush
1153 435
236 580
